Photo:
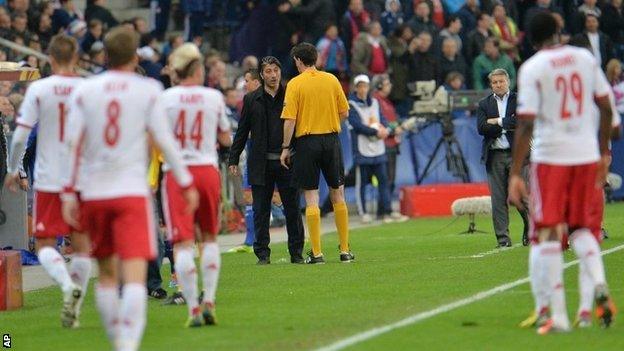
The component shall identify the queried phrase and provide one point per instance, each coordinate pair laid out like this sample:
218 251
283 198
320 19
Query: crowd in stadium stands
457 43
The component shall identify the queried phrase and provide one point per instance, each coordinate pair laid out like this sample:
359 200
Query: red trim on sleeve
600 97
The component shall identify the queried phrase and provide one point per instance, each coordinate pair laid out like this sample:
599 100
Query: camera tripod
455 161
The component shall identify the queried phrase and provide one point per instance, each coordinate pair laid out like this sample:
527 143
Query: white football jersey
557 87
111 114
47 102
195 115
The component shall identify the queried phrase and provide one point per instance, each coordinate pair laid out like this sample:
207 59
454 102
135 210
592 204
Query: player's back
558 86
115 108
47 103
195 115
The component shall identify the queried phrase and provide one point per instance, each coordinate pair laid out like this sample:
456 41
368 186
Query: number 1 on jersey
61 112
196 129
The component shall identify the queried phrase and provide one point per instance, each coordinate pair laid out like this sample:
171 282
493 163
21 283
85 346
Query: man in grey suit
496 121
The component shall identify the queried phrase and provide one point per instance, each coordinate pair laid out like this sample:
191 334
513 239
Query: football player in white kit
111 116
47 102
196 117
561 92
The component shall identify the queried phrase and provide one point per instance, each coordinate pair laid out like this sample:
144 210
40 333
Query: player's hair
189 69
254 73
120 44
305 52
498 72
63 48
542 28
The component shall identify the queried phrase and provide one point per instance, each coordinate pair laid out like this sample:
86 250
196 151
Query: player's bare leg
187 278
80 267
211 266
552 267
55 266
107 296
133 304
593 282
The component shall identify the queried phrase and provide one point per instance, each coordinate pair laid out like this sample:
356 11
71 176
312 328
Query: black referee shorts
318 153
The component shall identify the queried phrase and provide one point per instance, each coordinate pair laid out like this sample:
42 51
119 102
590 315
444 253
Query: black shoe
297 260
175 299
525 240
158 293
503 245
314 260
346 257
263 261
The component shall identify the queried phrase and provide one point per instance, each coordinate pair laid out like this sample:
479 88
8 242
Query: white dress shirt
501 143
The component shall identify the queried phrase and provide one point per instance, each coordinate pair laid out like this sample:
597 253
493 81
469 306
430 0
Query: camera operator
496 121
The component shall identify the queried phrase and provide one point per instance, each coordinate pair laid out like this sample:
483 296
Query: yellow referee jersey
315 99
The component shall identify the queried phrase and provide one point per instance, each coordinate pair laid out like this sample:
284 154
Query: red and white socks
54 264
187 277
107 303
211 265
552 264
132 316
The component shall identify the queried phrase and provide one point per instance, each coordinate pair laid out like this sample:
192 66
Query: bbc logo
6 341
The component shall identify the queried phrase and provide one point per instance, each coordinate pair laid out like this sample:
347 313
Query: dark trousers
161 9
195 25
154 280
380 171
497 168
276 175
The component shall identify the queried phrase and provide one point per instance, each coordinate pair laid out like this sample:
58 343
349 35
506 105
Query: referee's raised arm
314 106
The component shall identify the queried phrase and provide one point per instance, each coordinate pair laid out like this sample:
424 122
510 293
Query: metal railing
38 54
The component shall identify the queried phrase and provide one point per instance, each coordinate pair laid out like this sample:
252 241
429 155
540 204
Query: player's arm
224 135
341 101
28 116
242 134
289 114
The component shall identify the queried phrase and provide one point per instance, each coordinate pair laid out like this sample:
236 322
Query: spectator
614 72
159 17
370 52
64 15
217 75
437 12
401 51
93 35
392 17
578 19
489 60
612 24
564 35
421 22
353 22
315 14
5 22
97 58
149 61
476 38
140 25
175 40
195 12
19 27
469 15
598 43
43 27
249 63
452 30
506 31
96 9
46 7
450 60
332 54
369 151
454 82
424 63
78 30
382 87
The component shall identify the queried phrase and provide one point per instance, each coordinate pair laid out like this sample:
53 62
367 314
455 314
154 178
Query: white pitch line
372 333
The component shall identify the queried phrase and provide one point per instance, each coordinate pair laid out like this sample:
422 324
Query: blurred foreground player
196 116
47 102
111 115
561 89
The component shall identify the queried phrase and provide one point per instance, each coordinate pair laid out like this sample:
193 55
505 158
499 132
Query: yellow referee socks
313 220
341 214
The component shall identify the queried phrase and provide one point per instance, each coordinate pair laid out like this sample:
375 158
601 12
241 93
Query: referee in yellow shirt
314 105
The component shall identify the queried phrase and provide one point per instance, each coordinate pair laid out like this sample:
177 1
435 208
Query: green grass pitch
400 270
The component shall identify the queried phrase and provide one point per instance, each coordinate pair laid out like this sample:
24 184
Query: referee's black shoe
311 259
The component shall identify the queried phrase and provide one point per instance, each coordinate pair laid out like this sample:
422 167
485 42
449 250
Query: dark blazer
606 46
253 125
489 109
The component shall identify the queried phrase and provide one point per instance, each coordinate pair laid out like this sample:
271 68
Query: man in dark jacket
260 118
596 41
424 63
96 10
496 121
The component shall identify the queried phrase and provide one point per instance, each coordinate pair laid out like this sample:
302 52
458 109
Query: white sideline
372 333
